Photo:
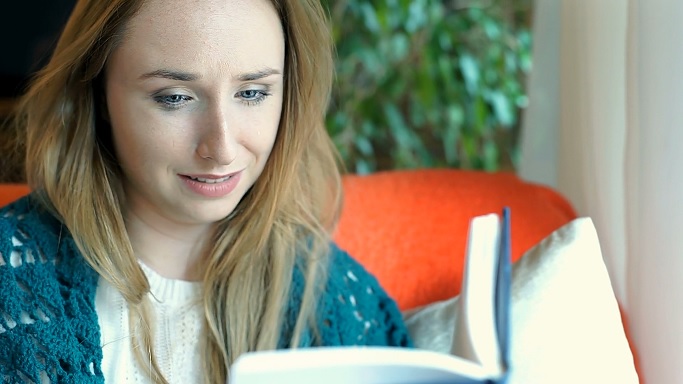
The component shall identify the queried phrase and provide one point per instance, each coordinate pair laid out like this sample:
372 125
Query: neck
172 250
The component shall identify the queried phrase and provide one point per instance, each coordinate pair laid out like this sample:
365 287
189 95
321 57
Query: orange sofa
409 228
11 192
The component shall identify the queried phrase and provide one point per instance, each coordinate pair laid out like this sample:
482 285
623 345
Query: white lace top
176 338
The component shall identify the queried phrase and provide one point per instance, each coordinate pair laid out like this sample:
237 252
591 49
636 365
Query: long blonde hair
281 225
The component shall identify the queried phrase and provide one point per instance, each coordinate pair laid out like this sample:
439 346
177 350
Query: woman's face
194 94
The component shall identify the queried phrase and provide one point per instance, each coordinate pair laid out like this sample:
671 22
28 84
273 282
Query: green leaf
364 167
470 71
452 134
363 145
492 29
370 17
490 158
455 115
399 46
502 108
397 125
417 16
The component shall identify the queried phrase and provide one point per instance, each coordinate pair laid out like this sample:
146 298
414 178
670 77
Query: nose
218 141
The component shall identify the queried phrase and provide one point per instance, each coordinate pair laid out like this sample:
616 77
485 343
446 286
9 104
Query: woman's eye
172 101
252 96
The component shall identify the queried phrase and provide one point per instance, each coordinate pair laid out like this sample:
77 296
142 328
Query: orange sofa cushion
409 228
11 192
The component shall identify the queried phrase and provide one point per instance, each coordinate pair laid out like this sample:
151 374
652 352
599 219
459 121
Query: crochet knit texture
48 323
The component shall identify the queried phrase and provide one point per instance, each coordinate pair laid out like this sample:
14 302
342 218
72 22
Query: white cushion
565 321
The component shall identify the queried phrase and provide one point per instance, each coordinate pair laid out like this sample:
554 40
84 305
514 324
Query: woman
184 191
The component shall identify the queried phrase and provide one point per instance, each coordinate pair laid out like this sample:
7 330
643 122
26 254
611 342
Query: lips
211 185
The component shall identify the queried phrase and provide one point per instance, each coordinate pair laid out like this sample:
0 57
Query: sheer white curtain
605 127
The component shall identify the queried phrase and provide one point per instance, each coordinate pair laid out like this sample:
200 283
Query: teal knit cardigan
48 323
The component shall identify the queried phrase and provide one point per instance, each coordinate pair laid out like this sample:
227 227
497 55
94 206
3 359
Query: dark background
28 30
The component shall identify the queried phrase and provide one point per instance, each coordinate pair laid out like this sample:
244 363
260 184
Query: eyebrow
186 76
172 75
258 74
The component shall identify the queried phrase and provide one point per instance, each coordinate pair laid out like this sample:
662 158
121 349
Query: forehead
236 34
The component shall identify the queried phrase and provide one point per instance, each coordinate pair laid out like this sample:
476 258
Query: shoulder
28 255
26 226
33 242
28 213
344 266
346 275
46 297
356 308
36 251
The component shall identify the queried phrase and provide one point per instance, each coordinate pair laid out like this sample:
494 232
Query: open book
479 352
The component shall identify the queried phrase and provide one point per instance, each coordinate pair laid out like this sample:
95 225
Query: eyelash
171 102
260 96
166 102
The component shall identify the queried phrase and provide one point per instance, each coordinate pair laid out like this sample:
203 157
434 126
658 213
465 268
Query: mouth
211 185
210 180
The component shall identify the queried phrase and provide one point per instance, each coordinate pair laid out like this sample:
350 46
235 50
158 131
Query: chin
211 212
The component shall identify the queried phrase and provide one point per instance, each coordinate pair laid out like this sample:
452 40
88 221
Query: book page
475 336
367 365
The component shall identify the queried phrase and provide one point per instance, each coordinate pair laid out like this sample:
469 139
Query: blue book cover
503 292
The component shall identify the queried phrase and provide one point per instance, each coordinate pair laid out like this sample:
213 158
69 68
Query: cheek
125 134
261 136
143 141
